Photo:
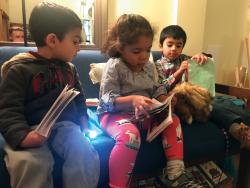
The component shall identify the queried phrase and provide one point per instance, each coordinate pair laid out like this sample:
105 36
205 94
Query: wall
161 13
192 16
158 12
225 30
15 11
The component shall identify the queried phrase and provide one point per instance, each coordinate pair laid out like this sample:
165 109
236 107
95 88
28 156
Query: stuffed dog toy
193 103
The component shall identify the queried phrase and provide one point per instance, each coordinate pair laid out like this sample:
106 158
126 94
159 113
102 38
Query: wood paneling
4 26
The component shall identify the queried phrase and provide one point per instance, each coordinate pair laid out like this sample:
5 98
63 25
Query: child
30 83
127 88
16 34
172 68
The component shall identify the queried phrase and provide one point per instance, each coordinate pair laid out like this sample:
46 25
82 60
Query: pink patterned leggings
128 139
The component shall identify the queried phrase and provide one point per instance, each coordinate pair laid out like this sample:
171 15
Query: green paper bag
202 75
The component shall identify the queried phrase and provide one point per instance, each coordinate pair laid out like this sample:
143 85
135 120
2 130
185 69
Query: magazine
48 121
157 108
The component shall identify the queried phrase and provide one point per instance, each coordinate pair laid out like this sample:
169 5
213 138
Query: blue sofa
201 142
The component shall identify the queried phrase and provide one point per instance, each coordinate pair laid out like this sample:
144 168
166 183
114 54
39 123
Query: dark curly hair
126 31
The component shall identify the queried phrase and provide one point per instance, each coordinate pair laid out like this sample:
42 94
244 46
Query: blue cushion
230 99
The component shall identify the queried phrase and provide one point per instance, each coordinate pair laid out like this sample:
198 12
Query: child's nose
78 48
173 47
144 56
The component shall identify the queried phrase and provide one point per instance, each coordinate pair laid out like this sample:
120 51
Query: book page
199 177
92 102
154 131
48 121
202 75
213 172
53 116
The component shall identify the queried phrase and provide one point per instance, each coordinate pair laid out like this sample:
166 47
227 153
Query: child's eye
169 45
76 42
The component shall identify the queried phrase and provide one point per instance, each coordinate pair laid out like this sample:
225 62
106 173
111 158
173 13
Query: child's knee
44 168
131 138
33 161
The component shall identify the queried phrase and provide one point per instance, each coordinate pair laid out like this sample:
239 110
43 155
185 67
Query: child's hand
184 66
180 71
32 140
142 105
200 58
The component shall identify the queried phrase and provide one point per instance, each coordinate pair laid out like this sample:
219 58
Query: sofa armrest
242 93
244 165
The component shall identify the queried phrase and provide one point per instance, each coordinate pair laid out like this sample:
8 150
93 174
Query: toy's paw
210 107
189 120
186 118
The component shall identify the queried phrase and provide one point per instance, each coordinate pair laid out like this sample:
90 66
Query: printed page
154 131
213 172
199 177
65 97
156 107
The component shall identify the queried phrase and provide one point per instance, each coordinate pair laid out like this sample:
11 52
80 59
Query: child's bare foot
244 136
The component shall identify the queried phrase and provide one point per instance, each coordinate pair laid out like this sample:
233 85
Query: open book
48 121
158 108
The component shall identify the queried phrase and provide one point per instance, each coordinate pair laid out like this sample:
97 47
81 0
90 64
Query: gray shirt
119 80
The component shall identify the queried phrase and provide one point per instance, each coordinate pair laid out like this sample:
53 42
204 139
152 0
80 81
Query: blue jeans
33 167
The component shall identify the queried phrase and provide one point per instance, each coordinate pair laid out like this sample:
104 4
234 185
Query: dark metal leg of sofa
244 170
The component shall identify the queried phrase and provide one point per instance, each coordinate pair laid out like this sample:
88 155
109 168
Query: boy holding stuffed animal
172 69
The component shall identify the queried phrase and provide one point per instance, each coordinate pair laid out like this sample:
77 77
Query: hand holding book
157 108
33 139
141 105
65 97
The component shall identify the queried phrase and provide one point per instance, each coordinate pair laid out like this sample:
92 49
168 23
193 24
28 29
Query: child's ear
119 48
50 40
160 46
